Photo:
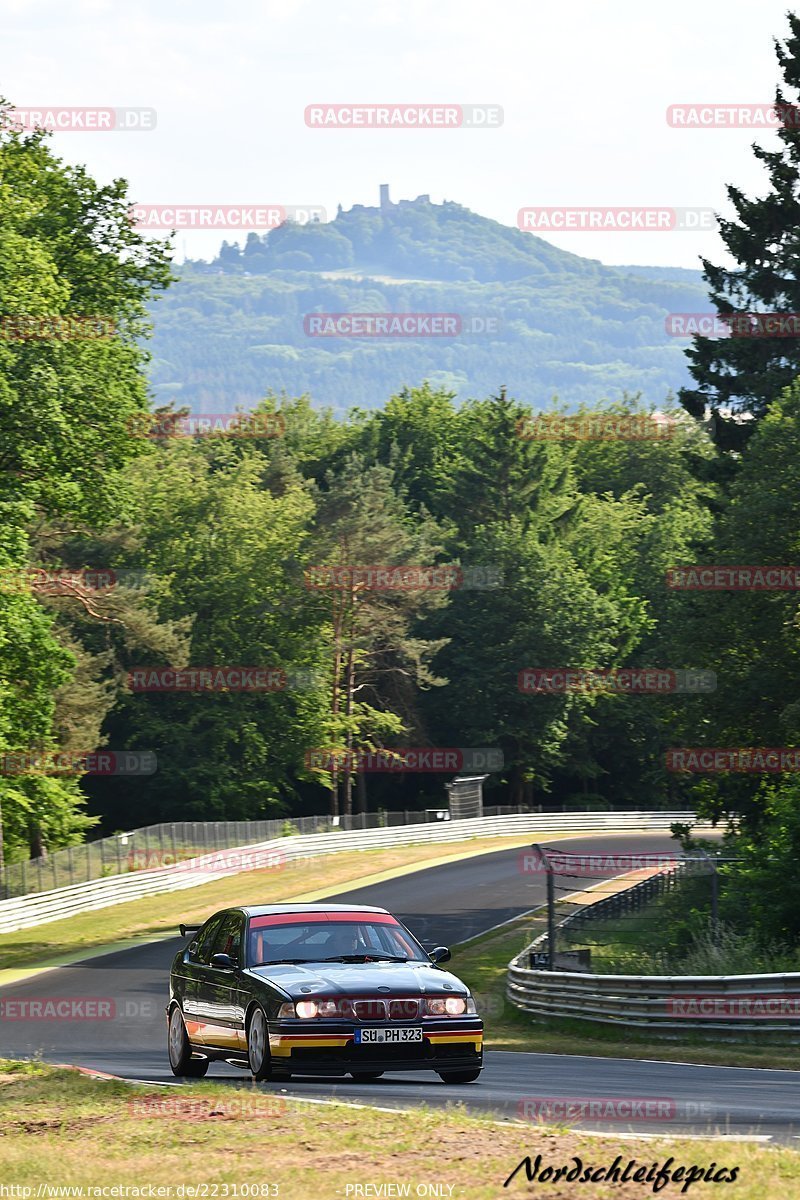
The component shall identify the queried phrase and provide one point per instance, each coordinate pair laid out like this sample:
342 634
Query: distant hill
231 330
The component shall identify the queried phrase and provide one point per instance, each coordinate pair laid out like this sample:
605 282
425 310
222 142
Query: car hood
359 979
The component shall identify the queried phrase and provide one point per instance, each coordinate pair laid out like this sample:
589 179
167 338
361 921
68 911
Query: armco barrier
663 1005
23 912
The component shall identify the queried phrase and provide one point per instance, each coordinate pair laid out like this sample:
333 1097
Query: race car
318 989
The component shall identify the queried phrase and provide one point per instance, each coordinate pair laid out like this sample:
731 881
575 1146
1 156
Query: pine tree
744 374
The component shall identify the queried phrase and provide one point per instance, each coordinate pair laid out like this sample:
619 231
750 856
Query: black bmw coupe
318 989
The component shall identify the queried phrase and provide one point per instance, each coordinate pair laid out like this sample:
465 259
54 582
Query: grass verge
482 965
62 1129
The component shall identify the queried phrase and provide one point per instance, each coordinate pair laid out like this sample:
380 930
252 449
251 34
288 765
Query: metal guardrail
660 1004
159 845
27 911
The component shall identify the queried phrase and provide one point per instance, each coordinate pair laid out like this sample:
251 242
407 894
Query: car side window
205 939
229 936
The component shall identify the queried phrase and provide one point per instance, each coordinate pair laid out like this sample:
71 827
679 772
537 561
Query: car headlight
471 1007
446 1006
331 1008
307 1009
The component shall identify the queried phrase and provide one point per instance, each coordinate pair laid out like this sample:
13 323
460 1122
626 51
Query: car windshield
275 939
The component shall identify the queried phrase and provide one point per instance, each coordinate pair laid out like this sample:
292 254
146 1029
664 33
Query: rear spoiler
189 929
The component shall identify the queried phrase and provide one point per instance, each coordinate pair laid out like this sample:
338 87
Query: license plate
362 1036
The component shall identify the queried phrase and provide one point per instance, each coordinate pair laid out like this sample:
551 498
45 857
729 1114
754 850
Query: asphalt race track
445 905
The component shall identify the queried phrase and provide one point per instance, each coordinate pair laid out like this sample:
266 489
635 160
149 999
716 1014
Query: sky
584 87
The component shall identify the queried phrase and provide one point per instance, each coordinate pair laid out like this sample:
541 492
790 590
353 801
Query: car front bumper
330 1047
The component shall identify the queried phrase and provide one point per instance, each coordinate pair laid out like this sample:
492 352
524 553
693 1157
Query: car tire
365 1076
459 1076
180 1049
258 1055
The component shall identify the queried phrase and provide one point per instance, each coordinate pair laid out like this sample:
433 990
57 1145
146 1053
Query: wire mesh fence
614 900
163 845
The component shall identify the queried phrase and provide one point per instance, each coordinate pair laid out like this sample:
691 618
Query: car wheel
459 1076
258 1054
365 1076
180 1050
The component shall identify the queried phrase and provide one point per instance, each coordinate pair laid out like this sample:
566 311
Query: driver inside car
345 941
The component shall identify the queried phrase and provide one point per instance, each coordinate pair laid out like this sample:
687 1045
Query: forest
264 608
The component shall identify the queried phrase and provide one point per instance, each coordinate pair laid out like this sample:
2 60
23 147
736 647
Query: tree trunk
337 667
350 687
361 791
36 843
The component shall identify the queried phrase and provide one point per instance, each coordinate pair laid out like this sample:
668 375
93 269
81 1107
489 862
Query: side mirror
440 954
223 962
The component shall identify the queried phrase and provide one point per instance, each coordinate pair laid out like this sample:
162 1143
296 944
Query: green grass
672 935
482 965
63 1129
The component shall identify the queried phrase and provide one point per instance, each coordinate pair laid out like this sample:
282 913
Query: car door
197 955
221 994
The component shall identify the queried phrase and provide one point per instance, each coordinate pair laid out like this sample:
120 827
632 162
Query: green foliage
68 253
546 322
743 374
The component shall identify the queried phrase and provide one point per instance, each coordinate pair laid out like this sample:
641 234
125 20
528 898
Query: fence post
714 898
551 920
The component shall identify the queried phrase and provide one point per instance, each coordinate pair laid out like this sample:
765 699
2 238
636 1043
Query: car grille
383 1010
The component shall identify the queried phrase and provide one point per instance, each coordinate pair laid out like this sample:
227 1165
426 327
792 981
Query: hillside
548 322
